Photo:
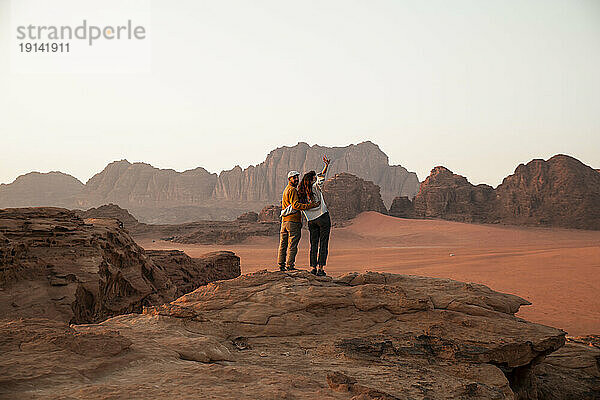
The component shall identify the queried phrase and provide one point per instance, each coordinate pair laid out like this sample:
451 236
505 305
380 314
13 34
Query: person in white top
319 222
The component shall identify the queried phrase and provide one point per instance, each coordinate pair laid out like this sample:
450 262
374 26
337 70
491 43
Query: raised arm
326 161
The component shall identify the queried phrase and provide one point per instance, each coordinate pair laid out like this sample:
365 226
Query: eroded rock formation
347 196
203 232
446 195
402 207
372 335
188 273
571 372
561 192
53 264
270 213
112 211
250 216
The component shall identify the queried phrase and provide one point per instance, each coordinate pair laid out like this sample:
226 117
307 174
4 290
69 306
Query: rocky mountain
265 181
140 185
561 192
41 189
54 264
360 336
347 195
156 195
446 195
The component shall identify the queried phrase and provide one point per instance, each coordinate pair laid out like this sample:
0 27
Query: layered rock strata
291 335
560 192
53 264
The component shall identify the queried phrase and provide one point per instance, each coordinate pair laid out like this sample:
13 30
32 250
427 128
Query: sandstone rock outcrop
202 232
53 264
402 207
446 195
270 213
250 216
142 185
347 196
41 189
561 192
212 232
111 211
161 196
188 273
371 335
571 372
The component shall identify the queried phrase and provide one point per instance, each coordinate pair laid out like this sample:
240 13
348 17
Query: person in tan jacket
291 223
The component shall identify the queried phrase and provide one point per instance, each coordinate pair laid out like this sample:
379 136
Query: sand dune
558 270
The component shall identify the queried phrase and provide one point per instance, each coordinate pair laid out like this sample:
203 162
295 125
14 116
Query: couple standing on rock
308 199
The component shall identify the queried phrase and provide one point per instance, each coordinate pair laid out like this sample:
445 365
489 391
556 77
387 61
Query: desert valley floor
558 270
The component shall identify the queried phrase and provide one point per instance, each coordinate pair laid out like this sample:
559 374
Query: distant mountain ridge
41 189
166 196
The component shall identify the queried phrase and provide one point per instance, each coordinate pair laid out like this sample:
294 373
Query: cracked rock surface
274 335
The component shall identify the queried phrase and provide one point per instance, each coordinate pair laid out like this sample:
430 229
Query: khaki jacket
290 197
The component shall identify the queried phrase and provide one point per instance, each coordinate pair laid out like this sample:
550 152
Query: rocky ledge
275 335
56 265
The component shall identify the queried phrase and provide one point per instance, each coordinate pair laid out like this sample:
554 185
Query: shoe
321 273
313 271
292 268
282 268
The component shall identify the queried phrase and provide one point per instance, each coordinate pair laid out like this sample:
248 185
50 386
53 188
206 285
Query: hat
293 173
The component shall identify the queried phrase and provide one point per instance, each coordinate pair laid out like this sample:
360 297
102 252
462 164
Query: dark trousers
319 229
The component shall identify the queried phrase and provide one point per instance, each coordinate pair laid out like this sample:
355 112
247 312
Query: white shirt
314 213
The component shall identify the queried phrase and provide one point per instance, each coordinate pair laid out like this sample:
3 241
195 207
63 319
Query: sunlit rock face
291 335
560 192
57 265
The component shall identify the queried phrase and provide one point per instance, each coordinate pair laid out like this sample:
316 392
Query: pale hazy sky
478 86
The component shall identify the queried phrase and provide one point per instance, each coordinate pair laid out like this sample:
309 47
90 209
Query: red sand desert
558 270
